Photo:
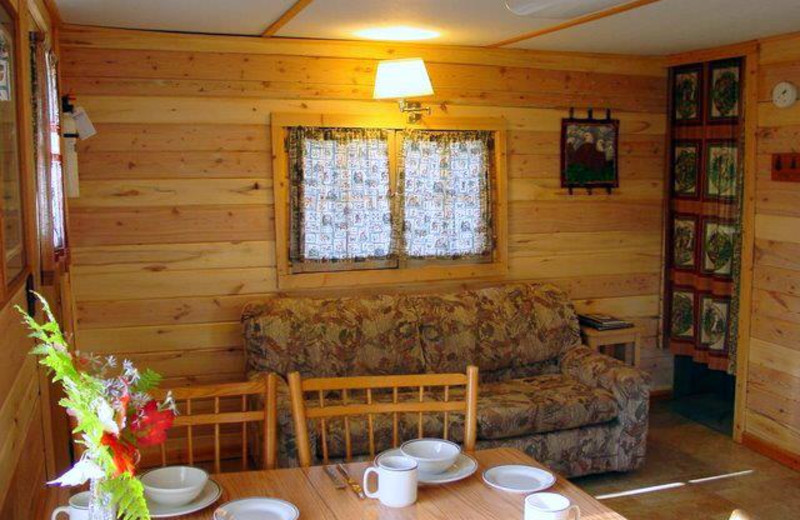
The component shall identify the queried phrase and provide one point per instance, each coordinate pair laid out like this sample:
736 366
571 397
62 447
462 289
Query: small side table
607 341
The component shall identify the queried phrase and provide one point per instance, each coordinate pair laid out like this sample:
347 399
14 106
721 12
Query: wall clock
784 94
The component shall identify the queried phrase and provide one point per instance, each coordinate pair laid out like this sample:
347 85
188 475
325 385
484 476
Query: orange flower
124 454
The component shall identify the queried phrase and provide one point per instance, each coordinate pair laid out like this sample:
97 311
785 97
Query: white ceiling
203 16
665 27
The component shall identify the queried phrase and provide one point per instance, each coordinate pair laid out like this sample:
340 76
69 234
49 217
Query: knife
338 483
350 482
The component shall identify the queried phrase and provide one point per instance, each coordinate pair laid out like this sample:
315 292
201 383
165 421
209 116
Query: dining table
316 496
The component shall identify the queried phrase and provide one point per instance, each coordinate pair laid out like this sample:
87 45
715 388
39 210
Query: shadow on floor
680 450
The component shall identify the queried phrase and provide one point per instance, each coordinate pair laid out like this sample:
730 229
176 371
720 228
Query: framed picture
714 316
684 242
718 247
724 91
722 170
686 168
683 313
589 157
687 95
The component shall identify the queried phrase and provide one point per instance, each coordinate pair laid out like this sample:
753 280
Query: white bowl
434 456
174 485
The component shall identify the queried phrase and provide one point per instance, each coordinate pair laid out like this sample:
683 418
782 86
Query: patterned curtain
54 139
705 221
445 194
340 197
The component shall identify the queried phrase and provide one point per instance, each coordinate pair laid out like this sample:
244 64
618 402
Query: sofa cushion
495 328
539 405
333 337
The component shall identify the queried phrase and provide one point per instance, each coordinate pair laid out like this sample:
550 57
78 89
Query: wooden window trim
497 268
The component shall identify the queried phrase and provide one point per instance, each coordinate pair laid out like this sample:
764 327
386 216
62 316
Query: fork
352 483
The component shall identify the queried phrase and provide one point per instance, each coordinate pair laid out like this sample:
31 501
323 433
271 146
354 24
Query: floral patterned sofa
576 410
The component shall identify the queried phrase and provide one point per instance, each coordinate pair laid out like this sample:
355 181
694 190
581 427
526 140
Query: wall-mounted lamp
401 79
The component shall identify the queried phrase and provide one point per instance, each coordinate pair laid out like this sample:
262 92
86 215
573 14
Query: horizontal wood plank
129 193
166 225
172 257
174 165
172 284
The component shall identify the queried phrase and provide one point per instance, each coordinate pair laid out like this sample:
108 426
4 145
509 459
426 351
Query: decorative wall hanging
589 157
724 99
687 95
705 220
722 166
686 168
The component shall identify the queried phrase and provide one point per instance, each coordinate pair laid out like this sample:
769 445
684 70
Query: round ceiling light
396 33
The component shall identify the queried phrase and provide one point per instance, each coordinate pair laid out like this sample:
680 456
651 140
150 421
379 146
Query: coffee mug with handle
397 481
550 506
78 508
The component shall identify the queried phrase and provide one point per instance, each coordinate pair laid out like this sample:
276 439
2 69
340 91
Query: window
47 153
446 196
401 203
13 230
340 203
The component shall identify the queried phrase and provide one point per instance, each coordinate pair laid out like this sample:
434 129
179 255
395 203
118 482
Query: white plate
259 509
210 494
463 467
517 478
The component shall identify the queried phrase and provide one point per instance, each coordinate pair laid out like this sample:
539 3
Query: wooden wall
773 386
173 232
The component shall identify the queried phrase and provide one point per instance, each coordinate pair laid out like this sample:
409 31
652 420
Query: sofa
573 409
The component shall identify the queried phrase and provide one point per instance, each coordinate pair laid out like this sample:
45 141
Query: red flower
151 425
124 454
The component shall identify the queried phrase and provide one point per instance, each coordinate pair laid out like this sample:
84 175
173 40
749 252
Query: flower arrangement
114 413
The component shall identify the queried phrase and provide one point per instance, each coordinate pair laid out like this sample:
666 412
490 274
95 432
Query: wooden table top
312 491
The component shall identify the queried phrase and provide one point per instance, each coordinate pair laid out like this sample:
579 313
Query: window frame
407 271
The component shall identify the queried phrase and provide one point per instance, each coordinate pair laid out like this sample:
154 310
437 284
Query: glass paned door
11 186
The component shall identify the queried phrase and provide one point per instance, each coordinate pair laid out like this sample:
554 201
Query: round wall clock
784 94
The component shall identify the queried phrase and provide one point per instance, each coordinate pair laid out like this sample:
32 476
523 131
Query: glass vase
100 502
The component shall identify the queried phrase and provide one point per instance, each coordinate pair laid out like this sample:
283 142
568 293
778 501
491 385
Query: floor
680 450
710 410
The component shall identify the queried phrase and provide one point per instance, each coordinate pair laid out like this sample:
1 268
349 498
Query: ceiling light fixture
401 79
397 33
558 9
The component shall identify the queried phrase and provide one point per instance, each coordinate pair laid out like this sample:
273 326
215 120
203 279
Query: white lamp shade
401 79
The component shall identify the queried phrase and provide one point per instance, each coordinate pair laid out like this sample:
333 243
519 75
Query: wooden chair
265 387
344 408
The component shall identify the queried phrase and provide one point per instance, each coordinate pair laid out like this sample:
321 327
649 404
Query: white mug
550 506
78 508
397 481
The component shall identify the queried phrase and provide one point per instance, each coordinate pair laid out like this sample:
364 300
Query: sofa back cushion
333 337
496 328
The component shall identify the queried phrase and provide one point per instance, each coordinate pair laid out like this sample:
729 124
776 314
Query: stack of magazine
603 322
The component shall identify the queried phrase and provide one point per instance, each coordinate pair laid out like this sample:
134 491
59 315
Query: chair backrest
210 414
345 406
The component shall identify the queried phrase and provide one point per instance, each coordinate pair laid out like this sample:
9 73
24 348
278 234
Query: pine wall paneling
174 228
772 417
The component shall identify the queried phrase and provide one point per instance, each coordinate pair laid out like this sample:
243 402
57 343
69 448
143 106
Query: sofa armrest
591 368
630 387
